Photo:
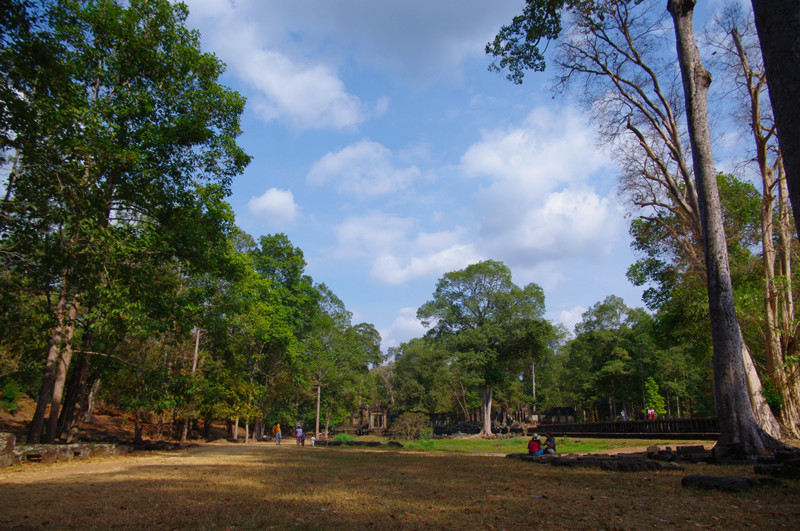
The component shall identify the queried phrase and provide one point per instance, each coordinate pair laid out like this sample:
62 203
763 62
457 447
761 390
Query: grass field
261 486
565 445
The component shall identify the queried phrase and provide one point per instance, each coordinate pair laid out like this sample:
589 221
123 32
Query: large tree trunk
316 425
258 429
778 298
778 24
61 375
91 399
76 398
486 409
138 426
734 412
62 334
764 417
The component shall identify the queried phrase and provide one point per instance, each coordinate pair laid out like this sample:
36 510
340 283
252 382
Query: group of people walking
298 433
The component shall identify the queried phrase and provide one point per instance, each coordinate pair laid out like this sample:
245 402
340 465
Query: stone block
789 469
653 450
102 450
630 465
7 442
701 457
726 484
79 451
686 451
44 453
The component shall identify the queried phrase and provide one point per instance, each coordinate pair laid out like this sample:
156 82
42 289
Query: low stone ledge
726 484
618 463
7 442
10 454
789 469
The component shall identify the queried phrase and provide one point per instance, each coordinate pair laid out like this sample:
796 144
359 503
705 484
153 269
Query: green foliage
520 46
412 425
492 328
343 438
422 376
517 45
653 398
9 394
772 395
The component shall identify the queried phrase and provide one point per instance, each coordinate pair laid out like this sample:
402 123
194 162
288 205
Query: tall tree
617 58
734 411
734 41
421 377
521 39
123 122
492 326
778 23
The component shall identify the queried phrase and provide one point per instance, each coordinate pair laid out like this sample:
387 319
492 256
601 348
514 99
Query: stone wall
10 454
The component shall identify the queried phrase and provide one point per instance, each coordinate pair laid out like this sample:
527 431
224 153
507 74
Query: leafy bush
654 398
343 437
412 426
9 395
772 395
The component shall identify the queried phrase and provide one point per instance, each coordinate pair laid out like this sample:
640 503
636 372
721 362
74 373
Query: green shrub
772 395
427 444
343 437
9 396
654 398
412 426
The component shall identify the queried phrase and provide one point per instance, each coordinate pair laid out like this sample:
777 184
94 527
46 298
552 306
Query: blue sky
385 149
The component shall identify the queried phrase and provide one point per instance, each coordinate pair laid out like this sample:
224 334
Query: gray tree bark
734 412
778 24
486 409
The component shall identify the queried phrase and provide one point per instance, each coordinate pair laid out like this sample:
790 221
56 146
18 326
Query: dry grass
260 486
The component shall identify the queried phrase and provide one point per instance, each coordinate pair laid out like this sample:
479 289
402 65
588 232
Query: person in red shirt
534 446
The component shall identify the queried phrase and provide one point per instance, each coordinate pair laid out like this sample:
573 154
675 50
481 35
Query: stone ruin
782 464
11 454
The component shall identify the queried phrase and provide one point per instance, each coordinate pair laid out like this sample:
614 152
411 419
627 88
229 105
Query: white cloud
572 223
416 40
399 251
569 317
546 151
365 169
307 94
275 207
538 206
405 327
373 232
393 270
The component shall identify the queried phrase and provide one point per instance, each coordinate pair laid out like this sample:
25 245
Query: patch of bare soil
108 424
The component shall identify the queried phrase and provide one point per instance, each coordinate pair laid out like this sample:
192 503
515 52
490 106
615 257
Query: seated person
534 447
549 444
